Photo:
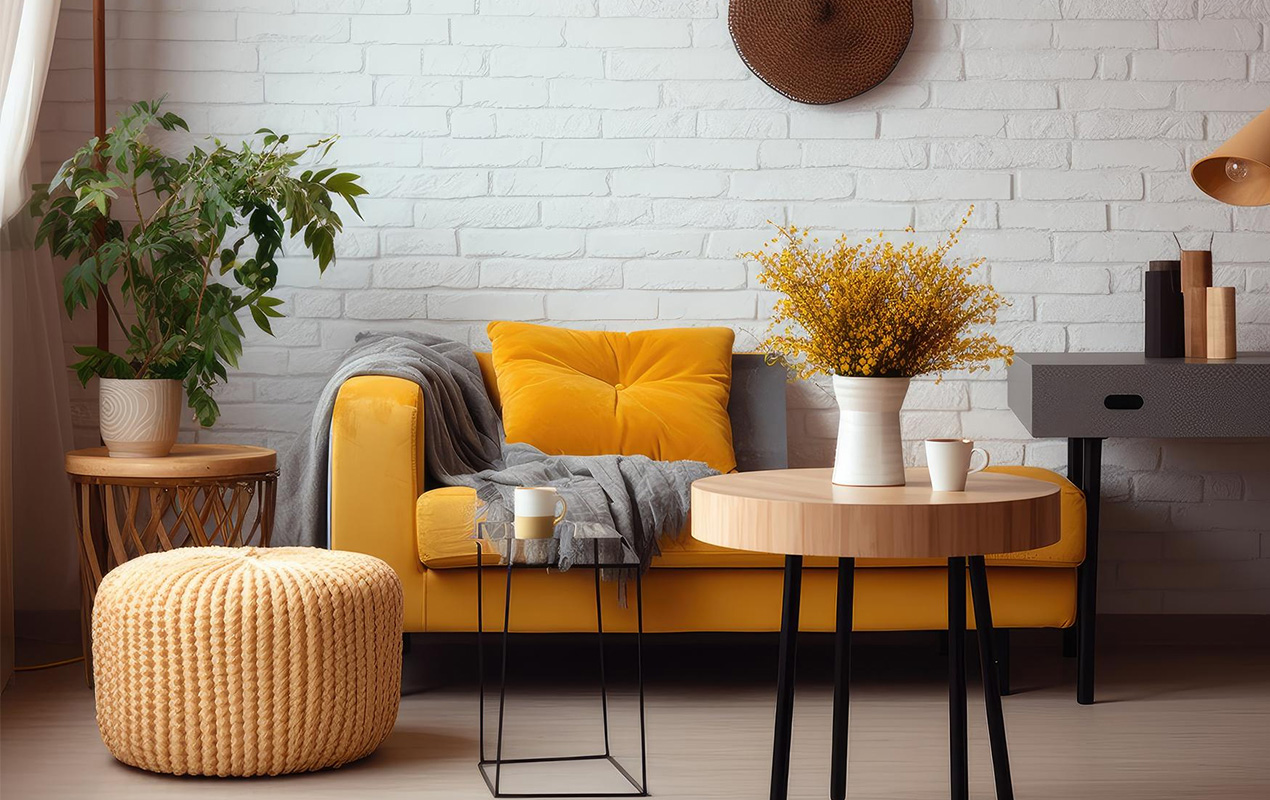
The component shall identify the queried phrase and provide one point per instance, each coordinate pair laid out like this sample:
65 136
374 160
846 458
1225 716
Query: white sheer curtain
26 37
36 527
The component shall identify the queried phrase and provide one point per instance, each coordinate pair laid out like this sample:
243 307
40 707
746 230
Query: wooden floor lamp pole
94 521
99 130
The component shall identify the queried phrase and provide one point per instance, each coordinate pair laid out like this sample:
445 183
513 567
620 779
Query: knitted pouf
247 661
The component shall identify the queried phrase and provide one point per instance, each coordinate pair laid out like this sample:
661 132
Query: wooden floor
1169 723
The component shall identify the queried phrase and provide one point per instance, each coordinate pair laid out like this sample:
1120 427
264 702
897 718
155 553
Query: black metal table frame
957 718
639 787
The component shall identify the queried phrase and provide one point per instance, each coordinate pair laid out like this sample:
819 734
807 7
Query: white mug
949 463
536 511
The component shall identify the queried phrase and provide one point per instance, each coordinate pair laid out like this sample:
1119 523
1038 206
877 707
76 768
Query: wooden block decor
1197 276
1221 322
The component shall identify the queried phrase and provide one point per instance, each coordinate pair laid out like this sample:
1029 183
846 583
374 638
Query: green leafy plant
178 258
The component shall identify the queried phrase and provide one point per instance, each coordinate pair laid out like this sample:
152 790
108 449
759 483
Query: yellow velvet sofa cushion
444 527
661 393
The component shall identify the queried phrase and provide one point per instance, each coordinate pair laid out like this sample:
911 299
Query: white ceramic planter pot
870 452
139 418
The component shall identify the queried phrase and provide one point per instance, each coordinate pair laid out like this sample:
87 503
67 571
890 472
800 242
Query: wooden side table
199 495
800 512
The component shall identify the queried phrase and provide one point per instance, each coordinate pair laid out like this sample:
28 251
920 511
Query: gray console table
1087 397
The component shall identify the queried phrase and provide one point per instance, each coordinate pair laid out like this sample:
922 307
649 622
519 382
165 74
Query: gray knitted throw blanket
633 497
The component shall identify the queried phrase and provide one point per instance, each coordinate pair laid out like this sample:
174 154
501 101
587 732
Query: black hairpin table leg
785 677
991 687
842 678
958 757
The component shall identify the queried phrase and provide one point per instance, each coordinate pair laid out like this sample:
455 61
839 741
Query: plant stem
188 178
198 309
136 203
110 301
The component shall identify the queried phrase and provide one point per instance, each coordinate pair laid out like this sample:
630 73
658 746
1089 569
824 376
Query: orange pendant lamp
1238 172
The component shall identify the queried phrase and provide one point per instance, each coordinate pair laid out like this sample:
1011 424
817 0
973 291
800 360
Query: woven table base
247 661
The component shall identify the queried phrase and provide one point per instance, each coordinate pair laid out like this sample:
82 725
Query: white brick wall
600 162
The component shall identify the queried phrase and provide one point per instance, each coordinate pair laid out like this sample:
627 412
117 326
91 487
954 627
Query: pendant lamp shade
1238 172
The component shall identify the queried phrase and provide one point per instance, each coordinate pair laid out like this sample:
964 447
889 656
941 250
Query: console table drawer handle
1123 402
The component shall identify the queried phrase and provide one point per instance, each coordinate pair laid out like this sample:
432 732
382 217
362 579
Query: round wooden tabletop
185 461
801 512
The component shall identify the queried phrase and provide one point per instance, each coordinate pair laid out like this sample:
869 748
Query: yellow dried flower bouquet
873 315
876 309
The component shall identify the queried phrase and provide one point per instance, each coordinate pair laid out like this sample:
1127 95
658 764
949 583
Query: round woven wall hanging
821 51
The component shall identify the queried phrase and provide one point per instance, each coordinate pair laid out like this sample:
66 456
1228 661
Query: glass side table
607 552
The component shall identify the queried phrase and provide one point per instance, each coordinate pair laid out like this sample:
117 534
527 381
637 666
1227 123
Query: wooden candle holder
1221 322
1197 276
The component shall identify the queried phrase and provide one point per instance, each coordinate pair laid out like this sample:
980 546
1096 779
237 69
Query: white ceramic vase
870 452
139 418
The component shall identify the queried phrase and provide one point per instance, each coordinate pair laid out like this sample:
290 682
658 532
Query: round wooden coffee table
800 512
200 494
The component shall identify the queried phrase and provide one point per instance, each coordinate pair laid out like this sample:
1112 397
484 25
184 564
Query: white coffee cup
538 510
949 463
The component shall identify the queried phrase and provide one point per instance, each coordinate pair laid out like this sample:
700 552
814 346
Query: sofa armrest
376 474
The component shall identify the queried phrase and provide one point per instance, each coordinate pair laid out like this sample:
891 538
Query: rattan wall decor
821 51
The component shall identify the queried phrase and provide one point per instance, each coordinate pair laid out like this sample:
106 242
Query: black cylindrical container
1164 328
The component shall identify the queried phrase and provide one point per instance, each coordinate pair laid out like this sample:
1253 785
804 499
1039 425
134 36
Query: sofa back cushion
663 393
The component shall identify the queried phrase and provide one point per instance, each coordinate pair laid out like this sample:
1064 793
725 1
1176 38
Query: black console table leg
1075 467
991 688
1075 474
842 678
785 677
1087 576
1069 642
958 757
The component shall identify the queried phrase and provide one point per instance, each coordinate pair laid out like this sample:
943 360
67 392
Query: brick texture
600 162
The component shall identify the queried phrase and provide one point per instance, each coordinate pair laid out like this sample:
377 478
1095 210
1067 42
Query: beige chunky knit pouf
247 661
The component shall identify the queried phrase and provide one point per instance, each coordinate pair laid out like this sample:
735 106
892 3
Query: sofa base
740 600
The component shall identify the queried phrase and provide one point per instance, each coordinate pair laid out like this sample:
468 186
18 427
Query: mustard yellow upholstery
744 600
376 474
660 393
486 362
378 507
445 523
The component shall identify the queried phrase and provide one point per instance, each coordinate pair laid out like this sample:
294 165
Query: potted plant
174 260
874 315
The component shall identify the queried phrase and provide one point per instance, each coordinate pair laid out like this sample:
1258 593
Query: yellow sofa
379 506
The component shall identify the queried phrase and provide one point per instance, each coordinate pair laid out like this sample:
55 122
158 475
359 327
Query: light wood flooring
1170 723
